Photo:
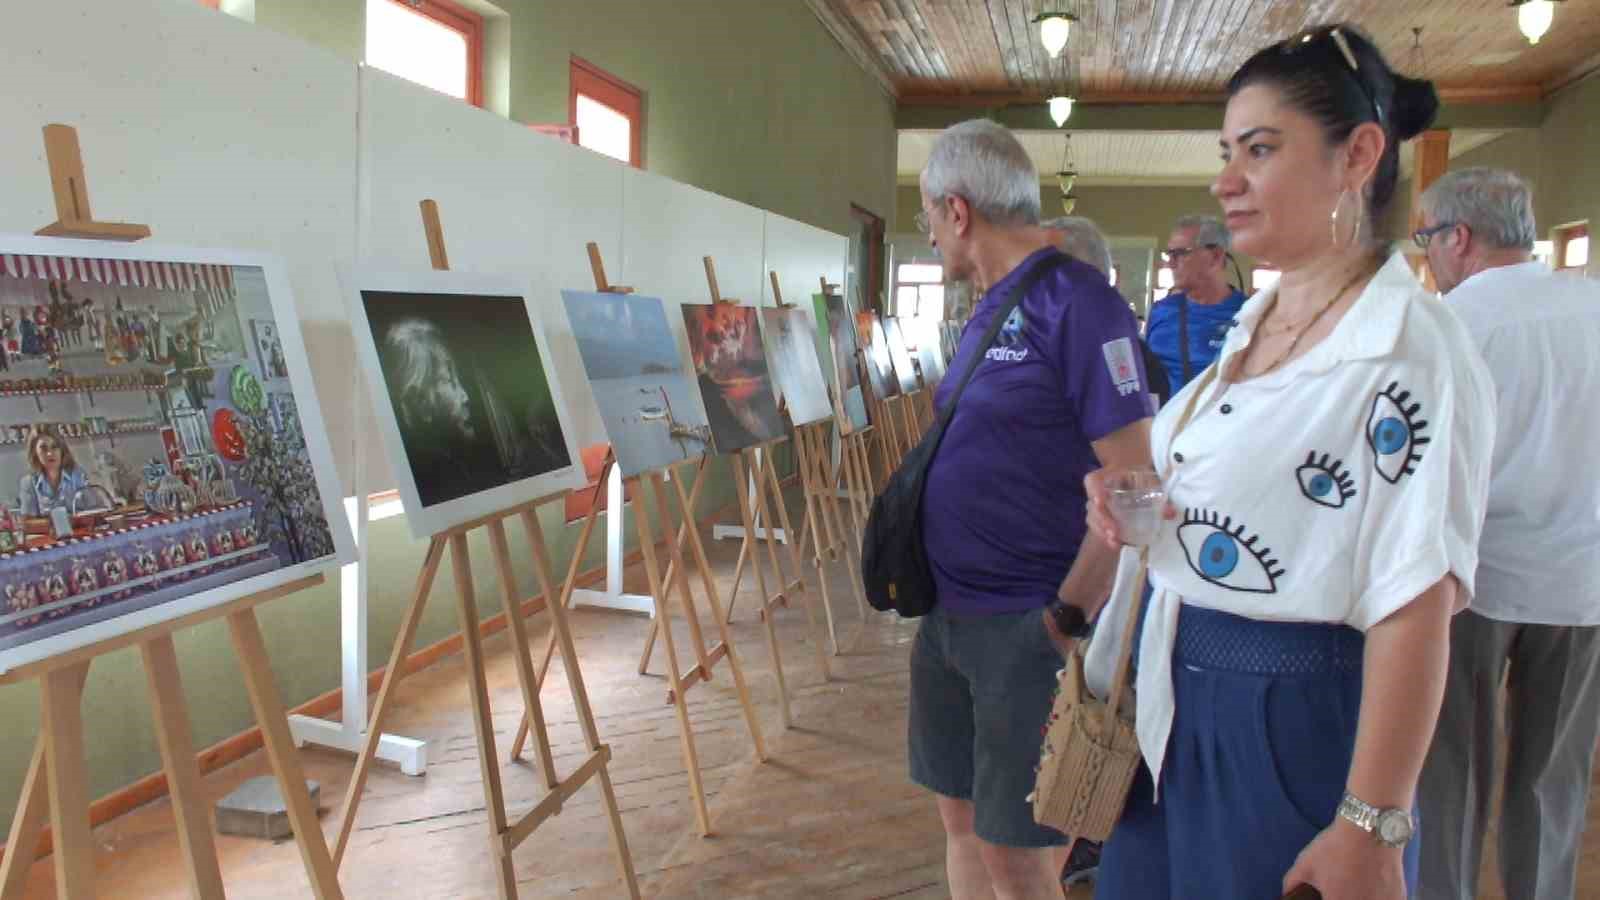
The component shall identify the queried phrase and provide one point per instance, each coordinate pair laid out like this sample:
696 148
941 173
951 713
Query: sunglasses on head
1334 34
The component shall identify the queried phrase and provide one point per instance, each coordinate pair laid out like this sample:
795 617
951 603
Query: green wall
1569 189
753 101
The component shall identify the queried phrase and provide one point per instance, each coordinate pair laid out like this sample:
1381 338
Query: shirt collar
1531 267
1369 330
1001 288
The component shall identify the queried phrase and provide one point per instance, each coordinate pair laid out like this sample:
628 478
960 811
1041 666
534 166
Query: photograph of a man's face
468 389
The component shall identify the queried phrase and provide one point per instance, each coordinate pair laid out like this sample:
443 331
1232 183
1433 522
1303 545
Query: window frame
462 21
627 100
1564 235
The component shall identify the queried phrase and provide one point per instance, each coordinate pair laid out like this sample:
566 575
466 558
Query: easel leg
738 567
33 805
526 679
68 780
567 588
815 527
274 722
830 501
699 551
391 677
776 488
482 717
677 578
764 597
189 804
560 627
691 758
655 624
786 588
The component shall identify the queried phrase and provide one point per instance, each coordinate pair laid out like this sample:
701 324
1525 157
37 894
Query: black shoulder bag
894 562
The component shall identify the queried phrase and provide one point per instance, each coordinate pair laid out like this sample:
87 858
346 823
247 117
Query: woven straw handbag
1090 753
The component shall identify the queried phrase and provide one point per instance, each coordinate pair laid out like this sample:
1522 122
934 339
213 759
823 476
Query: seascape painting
646 399
474 420
930 355
904 369
880 369
731 366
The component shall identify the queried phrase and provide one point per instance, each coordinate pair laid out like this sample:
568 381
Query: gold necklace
1310 323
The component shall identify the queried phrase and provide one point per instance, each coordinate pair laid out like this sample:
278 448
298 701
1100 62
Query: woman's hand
1346 863
1102 524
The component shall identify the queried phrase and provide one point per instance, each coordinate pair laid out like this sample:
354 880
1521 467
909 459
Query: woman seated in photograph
53 478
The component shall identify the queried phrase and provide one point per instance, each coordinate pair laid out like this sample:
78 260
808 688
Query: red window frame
464 22
211 4
875 227
597 84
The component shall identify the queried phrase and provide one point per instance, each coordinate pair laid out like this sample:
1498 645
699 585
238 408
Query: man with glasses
1186 328
1534 625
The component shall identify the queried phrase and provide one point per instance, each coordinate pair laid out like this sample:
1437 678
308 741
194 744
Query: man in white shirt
1534 625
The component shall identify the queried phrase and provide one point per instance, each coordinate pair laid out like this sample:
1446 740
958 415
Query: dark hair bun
1416 104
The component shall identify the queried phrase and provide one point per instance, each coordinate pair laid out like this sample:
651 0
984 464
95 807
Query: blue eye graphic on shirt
1325 480
1219 552
1395 433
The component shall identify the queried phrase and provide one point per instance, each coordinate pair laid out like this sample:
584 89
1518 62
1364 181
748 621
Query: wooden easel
675 581
57 783
504 836
752 467
818 476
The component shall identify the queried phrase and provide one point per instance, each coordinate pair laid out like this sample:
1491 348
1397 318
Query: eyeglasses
1342 44
1422 236
1175 255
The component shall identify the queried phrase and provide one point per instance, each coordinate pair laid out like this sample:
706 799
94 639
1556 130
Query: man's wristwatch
1391 827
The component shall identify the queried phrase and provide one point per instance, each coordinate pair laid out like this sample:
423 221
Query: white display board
511 201
211 131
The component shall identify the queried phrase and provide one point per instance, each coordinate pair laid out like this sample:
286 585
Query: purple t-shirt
1003 511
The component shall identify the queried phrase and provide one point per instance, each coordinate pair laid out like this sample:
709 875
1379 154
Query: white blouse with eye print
1335 489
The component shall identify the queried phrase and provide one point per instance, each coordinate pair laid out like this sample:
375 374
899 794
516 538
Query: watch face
1394 827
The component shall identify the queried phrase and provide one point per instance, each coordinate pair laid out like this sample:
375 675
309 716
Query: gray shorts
981 690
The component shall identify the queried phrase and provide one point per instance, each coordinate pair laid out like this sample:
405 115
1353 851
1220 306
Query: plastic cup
1136 501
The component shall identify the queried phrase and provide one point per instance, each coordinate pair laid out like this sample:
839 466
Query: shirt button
1227 408
1177 457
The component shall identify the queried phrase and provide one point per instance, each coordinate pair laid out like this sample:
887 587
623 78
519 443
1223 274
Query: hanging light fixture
1534 17
1054 29
1067 177
1060 110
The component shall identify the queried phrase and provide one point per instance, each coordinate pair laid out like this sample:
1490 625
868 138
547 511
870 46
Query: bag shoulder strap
1013 300
1119 681
1183 336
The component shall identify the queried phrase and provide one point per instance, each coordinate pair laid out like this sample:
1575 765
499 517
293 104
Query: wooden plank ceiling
1177 50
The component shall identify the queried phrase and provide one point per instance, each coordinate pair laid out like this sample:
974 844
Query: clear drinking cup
1136 501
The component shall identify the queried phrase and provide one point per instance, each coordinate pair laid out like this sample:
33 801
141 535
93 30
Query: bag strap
1183 336
1012 301
1119 681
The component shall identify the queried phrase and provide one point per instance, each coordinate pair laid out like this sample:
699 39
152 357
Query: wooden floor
831 815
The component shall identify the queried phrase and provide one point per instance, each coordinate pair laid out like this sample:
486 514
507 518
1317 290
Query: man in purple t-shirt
1059 394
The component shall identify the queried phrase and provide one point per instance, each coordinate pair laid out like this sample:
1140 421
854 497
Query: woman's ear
1364 150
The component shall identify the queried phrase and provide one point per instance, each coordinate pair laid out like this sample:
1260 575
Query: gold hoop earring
1333 220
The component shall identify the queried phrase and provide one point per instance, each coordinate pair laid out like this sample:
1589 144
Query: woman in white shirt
1327 495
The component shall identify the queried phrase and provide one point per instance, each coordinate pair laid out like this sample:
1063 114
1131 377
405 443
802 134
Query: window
919 295
431 42
607 111
1261 279
1572 246
1164 280
867 263
1116 275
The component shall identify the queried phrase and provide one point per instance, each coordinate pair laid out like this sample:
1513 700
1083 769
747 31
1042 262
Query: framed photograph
904 370
731 366
930 355
880 368
848 395
646 399
792 343
470 408
151 480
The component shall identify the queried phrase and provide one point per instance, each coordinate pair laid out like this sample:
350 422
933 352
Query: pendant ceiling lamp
1534 17
1054 29
1060 110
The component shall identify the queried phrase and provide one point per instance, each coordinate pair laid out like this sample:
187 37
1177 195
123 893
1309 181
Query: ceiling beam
1179 112
854 44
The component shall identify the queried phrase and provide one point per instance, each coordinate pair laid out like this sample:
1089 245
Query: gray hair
984 164
1494 203
1082 240
1209 231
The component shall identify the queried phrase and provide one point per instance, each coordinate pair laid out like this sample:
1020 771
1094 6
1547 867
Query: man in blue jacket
1186 327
